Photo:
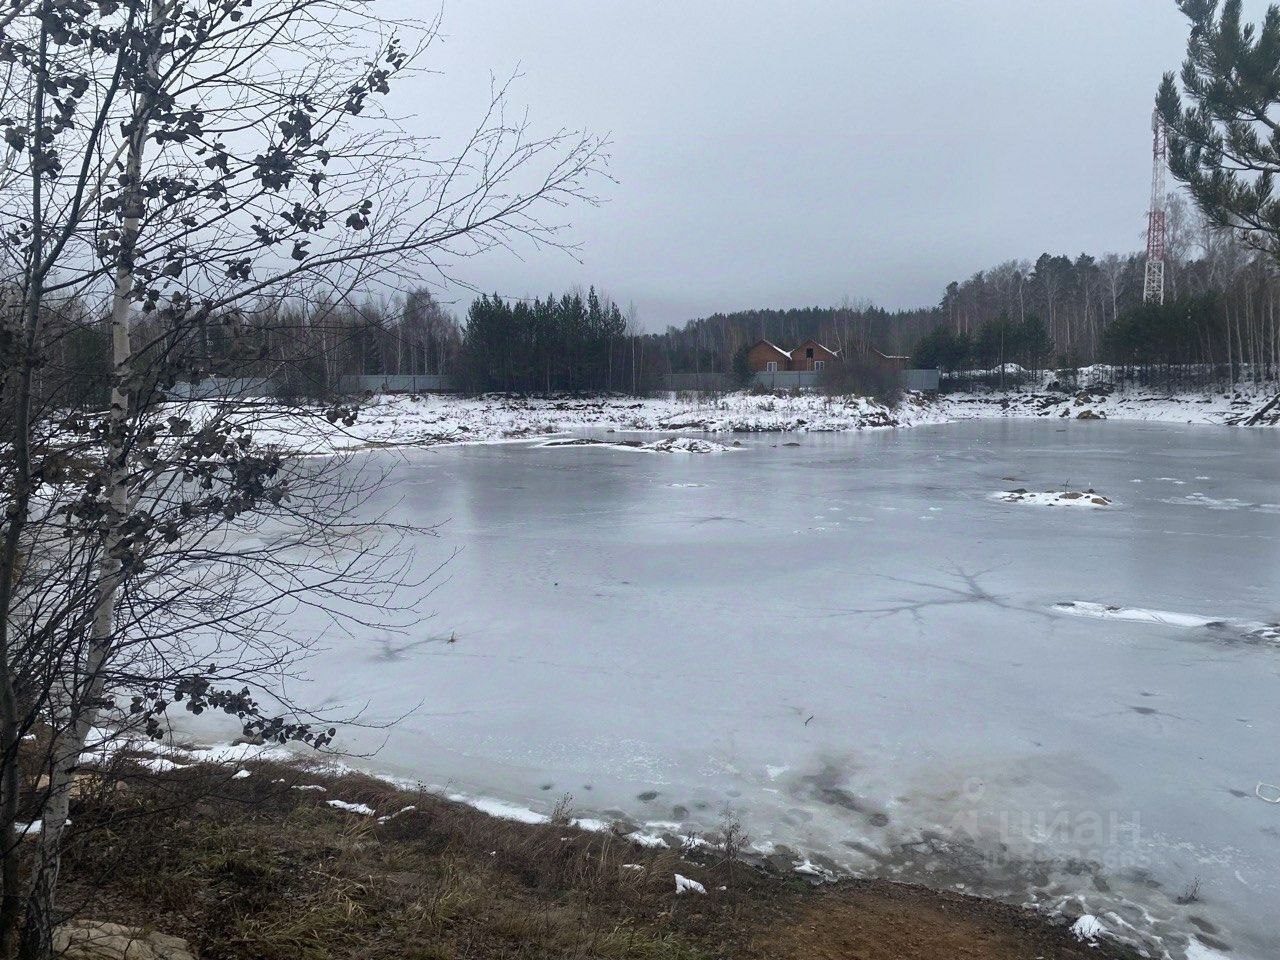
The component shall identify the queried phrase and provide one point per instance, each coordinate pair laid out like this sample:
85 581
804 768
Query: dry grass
253 868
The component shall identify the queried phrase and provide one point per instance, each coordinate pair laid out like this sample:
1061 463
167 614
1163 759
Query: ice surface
1224 503
884 695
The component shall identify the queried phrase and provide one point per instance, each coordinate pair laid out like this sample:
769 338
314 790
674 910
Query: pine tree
1225 145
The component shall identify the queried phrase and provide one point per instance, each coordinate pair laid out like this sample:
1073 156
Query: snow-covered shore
440 419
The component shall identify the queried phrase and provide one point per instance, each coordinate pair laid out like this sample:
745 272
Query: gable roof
816 343
770 343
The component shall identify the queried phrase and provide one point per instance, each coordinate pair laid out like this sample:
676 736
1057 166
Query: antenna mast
1153 289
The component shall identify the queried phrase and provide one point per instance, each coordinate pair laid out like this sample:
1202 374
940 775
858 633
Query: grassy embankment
256 868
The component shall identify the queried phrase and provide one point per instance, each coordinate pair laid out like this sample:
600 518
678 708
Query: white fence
223 388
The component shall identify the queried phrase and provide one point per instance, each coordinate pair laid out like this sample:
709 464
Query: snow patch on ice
1227 503
686 445
1250 629
1064 498
1083 608
501 809
670 826
1198 951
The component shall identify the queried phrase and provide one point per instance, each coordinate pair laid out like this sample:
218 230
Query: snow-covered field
846 641
441 419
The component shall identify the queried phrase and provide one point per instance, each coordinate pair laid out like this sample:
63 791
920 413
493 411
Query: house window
819 365
771 366
808 353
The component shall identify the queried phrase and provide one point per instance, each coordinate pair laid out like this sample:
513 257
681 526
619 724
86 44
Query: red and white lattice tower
1153 289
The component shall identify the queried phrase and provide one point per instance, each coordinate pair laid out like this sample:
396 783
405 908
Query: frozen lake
846 642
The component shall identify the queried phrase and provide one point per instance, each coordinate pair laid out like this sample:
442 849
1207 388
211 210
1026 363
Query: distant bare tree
433 331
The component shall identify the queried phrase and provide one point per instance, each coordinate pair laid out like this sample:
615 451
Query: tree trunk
17 515
86 686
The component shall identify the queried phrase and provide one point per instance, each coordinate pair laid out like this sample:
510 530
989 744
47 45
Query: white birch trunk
83 687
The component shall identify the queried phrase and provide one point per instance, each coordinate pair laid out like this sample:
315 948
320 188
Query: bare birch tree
180 164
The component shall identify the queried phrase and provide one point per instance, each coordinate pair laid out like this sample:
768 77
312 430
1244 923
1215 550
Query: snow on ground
1088 928
647 839
427 420
501 809
810 869
667 445
685 885
362 809
160 764
102 744
439 419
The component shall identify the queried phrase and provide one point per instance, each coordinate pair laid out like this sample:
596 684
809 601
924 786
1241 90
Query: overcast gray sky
789 154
